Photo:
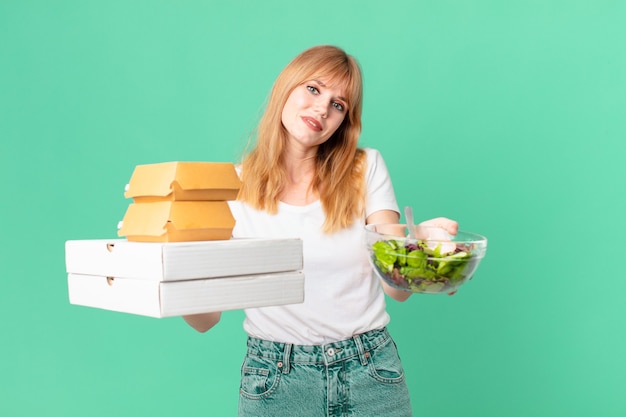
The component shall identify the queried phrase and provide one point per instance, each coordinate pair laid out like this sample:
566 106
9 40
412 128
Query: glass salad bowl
429 261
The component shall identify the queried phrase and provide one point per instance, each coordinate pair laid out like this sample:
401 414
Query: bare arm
381 217
203 322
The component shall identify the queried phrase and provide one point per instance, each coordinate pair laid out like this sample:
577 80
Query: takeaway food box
178 257
178 278
180 201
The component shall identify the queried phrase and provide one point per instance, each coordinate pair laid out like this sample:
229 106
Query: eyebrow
321 84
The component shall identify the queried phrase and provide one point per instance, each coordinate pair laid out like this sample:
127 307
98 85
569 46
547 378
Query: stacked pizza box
178 257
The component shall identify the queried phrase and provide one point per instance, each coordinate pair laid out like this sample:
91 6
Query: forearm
203 322
395 293
392 217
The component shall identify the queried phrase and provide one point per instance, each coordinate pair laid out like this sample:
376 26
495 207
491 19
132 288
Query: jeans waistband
286 353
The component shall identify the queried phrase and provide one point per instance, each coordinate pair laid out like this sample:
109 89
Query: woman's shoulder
238 169
374 158
372 154
370 151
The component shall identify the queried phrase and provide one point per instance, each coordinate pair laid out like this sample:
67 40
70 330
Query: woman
306 178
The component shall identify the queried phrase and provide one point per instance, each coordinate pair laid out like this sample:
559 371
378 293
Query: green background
508 116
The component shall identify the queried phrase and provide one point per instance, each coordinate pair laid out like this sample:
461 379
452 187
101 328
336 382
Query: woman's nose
322 108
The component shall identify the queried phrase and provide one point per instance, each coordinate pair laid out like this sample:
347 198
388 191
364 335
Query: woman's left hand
448 225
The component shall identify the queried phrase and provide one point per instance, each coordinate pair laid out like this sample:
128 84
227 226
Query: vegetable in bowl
424 264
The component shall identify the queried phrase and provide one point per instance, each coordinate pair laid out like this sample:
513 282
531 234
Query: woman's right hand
204 321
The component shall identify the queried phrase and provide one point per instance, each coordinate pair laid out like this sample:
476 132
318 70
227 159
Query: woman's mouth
312 123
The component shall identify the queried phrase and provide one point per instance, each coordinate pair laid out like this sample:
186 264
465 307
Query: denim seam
375 375
267 393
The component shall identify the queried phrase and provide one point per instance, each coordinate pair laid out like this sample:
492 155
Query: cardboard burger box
180 201
184 181
173 279
177 221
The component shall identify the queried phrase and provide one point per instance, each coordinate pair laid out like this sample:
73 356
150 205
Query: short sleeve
380 193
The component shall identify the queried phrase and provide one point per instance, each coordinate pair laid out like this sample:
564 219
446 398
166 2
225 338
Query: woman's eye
338 106
312 89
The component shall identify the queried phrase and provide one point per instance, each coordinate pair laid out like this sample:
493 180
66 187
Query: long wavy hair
339 164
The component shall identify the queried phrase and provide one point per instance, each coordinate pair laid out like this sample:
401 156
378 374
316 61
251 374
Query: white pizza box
173 261
176 298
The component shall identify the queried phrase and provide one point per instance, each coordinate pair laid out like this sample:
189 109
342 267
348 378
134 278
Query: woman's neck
300 171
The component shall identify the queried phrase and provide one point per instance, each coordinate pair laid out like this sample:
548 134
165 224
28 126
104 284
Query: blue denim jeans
361 376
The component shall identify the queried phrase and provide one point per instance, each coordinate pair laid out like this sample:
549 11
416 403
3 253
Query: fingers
452 227
448 225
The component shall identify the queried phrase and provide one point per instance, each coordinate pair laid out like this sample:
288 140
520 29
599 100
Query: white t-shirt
342 297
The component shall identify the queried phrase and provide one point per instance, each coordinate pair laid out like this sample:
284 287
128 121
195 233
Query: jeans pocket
259 377
385 365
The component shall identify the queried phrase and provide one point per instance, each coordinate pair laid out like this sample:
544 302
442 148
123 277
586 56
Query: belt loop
286 357
360 348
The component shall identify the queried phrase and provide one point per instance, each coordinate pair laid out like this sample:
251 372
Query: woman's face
313 112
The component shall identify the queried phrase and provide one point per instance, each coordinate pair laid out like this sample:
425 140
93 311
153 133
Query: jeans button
330 352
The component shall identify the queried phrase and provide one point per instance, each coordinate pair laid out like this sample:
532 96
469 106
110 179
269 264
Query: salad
422 266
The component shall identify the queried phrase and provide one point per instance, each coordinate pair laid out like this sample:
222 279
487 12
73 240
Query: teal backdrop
509 116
